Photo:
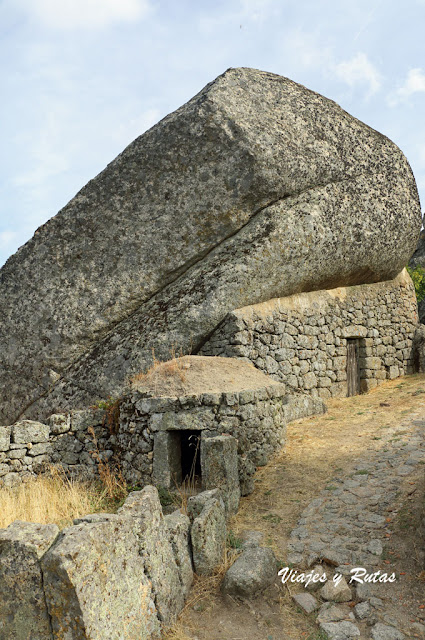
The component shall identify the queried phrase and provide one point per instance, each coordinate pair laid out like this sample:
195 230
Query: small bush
418 277
111 406
166 497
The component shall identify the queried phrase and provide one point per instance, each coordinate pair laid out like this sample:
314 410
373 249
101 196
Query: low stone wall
28 447
143 440
114 576
301 340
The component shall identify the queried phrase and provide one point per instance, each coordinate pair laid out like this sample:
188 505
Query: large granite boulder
161 550
256 188
418 258
23 610
95 584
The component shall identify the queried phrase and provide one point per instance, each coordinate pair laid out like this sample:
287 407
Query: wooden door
353 367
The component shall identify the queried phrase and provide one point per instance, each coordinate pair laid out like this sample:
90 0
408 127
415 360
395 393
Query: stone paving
347 526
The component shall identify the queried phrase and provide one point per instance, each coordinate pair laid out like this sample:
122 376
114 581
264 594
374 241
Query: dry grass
189 486
160 370
114 487
54 498
318 449
48 499
204 588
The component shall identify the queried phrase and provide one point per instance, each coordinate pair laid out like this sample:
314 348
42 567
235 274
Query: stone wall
52 583
301 340
143 438
146 438
28 447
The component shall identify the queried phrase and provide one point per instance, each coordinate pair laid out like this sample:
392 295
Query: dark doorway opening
353 366
191 455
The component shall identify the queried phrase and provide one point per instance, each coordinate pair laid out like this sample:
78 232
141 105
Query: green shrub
418 276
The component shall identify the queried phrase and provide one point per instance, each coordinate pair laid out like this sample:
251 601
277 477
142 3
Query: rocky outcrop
95 585
418 258
257 188
156 551
23 610
208 515
124 575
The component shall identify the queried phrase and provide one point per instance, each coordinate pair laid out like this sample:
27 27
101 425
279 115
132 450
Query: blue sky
82 78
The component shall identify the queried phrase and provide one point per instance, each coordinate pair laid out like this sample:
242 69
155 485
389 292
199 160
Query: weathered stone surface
320 577
300 406
208 534
418 257
59 423
196 503
334 613
340 630
11 479
384 632
256 188
156 551
178 526
219 463
251 573
362 610
167 470
23 612
340 592
419 346
95 584
306 601
5 438
30 431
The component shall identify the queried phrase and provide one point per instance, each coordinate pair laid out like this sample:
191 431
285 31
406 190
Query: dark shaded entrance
353 366
190 446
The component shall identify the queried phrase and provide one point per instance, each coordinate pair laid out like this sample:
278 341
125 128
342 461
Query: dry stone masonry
153 438
29 447
259 222
302 340
256 189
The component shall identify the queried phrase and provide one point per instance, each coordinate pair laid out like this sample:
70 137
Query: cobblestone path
348 525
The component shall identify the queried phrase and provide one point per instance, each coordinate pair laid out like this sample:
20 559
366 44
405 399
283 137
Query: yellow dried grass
160 370
51 498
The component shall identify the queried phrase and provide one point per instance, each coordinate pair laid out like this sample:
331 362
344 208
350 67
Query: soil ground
317 450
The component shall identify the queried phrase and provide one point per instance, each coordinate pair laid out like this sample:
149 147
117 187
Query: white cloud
257 10
243 14
414 83
359 71
86 14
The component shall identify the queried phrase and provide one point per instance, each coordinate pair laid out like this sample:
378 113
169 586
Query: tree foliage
418 276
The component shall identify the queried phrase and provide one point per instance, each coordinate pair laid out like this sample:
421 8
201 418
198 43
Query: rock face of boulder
256 188
23 611
418 258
